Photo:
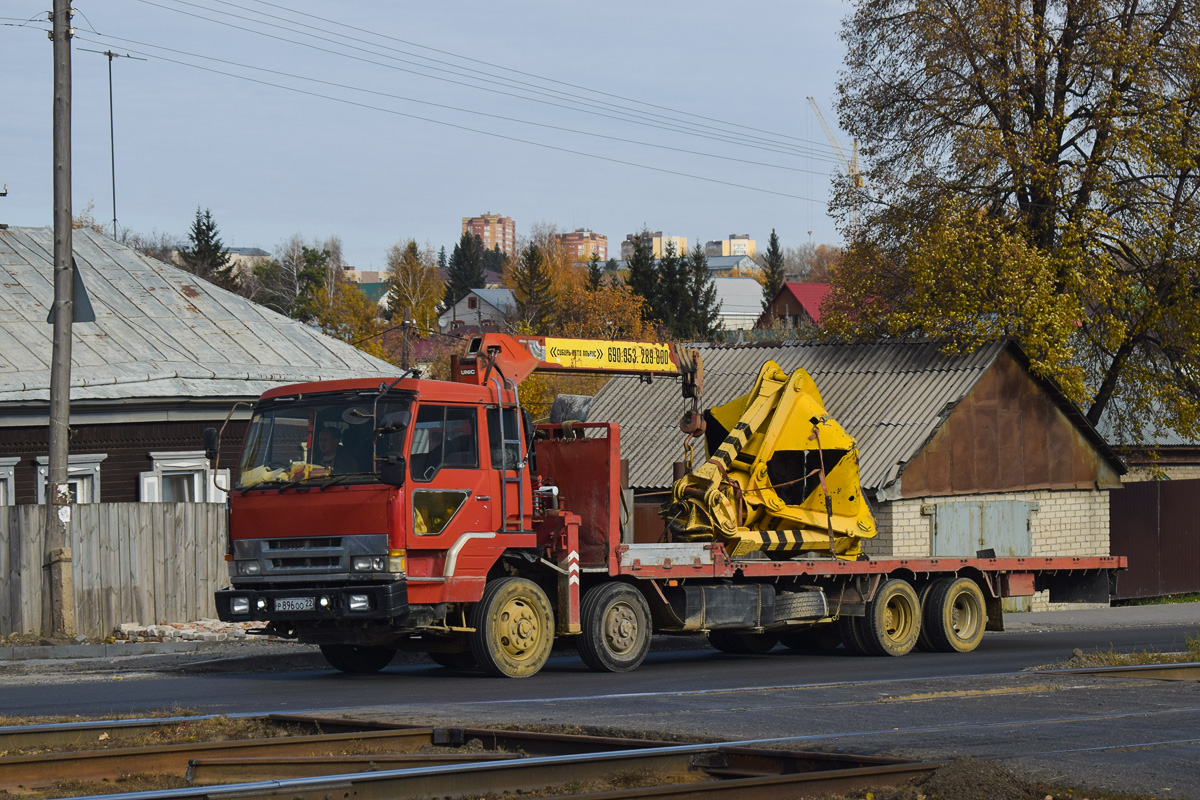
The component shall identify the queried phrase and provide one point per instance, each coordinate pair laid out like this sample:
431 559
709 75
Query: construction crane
848 164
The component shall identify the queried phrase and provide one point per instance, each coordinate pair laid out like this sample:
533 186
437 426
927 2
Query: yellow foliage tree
348 314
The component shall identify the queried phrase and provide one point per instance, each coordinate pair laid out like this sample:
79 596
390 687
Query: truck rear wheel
616 628
357 658
754 644
853 637
955 615
514 628
893 620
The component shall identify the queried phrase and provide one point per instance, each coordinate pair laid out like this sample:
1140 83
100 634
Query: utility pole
58 496
112 141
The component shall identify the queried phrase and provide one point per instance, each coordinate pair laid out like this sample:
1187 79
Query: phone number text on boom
640 356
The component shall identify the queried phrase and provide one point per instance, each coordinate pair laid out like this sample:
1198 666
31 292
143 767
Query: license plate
295 603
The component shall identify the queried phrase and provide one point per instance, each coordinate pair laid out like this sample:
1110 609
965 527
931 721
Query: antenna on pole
112 144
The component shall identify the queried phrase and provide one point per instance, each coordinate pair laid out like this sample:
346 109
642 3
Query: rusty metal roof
891 396
160 332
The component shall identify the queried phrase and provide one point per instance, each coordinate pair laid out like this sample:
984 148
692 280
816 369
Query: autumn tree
205 255
1030 170
414 289
465 269
773 273
346 313
531 288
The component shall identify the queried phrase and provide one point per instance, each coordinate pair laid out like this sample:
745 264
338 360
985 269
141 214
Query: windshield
321 439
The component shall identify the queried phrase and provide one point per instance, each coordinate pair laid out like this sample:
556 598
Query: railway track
408 761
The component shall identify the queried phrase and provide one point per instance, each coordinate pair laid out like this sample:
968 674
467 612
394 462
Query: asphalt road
1120 734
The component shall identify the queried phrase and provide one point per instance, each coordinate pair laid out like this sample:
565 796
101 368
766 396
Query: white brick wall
1066 523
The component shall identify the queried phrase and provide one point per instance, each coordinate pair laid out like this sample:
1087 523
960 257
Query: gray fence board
131 562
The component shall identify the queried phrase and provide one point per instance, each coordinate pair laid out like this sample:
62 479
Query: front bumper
316 603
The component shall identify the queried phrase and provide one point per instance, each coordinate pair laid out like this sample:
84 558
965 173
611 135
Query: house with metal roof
958 454
796 305
168 355
740 300
478 310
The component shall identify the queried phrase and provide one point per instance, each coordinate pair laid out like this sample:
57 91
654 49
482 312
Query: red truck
435 516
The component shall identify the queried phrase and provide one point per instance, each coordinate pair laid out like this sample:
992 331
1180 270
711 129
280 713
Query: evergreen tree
441 259
206 257
530 281
704 321
612 265
643 274
495 260
465 270
595 272
671 302
772 270
311 275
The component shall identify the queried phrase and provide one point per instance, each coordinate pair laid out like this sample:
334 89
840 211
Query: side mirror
212 444
395 421
392 469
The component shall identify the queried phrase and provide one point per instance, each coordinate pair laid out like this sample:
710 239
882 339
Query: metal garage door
964 527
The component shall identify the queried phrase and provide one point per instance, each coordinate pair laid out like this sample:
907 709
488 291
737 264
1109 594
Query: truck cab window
445 437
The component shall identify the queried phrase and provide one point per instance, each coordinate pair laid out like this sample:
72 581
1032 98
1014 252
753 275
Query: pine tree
311 273
465 270
530 281
595 272
207 257
643 274
671 303
495 260
773 273
441 261
705 317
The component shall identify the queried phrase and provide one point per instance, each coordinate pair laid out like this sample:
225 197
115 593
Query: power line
588 107
479 131
459 109
654 106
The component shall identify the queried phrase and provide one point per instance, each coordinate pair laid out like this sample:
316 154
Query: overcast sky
374 165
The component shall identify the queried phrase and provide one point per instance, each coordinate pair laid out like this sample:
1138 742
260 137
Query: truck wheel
514 628
853 638
823 637
616 628
753 644
955 615
893 620
357 658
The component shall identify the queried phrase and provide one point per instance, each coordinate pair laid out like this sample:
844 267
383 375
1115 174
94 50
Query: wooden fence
132 562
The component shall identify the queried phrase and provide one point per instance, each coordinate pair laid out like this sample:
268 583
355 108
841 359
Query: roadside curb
113 650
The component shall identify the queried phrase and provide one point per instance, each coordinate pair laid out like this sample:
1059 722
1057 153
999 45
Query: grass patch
1190 597
1111 658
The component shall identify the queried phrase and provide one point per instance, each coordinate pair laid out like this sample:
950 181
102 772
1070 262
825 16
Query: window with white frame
83 477
181 477
8 467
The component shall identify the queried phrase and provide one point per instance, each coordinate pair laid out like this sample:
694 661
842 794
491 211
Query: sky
381 121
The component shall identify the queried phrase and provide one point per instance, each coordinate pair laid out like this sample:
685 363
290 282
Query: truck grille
301 557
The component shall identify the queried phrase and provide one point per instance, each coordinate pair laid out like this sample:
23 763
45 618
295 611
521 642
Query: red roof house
797 305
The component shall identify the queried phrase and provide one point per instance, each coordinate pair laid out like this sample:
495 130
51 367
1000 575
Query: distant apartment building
580 244
364 276
738 244
658 241
494 230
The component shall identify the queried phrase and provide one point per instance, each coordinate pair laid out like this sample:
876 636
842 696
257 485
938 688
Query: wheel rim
517 631
965 616
899 619
621 628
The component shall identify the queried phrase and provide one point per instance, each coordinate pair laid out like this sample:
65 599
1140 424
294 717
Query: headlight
249 567
239 605
395 562
368 563
359 602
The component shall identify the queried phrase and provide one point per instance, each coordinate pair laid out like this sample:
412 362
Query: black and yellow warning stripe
732 446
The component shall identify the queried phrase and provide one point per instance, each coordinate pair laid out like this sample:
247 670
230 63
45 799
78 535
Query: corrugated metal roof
159 332
891 396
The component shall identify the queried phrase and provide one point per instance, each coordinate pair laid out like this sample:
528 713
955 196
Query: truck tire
514 628
824 637
955 615
853 638
454 659
743 644
616 628
893 620
800 605
357 658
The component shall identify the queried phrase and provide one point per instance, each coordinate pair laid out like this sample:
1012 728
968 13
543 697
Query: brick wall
1066 523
